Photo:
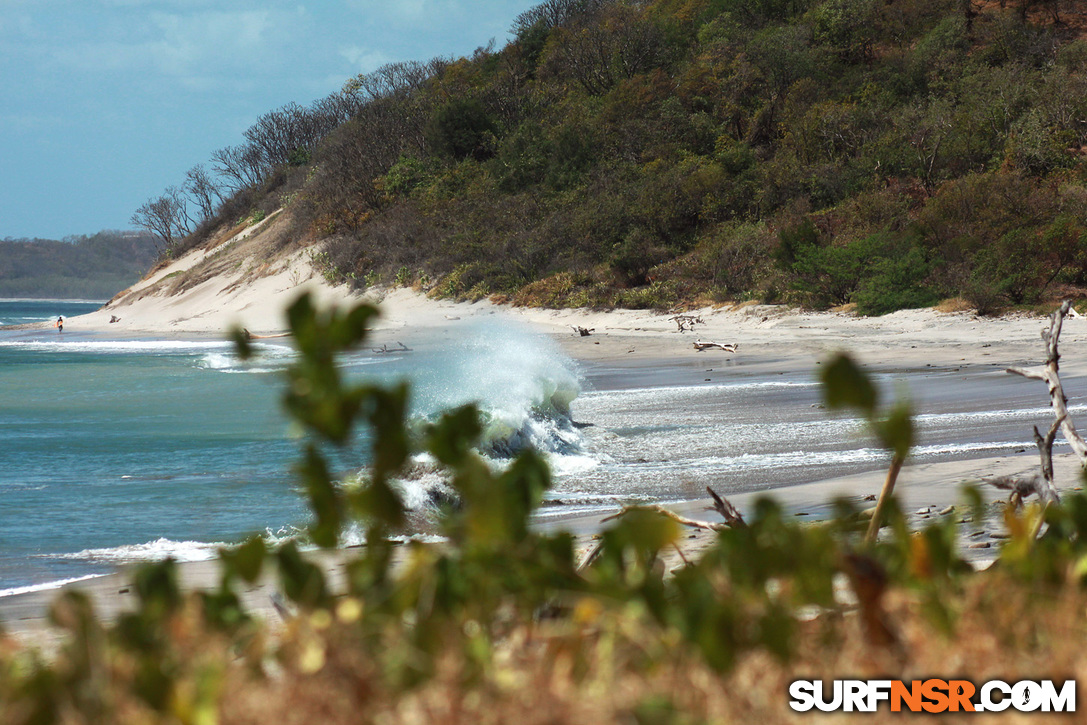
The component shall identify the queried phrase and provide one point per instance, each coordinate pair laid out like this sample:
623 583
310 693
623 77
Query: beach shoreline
630 346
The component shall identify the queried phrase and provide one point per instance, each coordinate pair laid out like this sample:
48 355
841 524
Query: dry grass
954 304
615 668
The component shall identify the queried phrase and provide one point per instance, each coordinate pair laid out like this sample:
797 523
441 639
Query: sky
106 103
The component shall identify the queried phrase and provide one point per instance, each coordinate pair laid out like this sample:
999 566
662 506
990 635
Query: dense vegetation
502 623
86 267
823 152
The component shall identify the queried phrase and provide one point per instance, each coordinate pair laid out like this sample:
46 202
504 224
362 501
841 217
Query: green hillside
884 153
86 267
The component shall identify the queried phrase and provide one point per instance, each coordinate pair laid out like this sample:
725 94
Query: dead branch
1045 451
1021 487
1042 485
724 507
701 345
1049 374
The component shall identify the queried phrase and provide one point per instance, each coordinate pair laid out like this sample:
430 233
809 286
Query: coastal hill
678 153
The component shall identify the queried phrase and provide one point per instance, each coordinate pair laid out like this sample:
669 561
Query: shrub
897 281
461 129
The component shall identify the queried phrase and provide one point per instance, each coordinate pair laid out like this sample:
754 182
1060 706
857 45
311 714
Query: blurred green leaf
157 587
846 385
242 346
452 437
302 581
247 559
325 500
896 430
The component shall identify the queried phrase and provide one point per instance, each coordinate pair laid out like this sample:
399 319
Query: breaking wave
522 384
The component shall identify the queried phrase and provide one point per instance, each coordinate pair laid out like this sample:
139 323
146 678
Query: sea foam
48 586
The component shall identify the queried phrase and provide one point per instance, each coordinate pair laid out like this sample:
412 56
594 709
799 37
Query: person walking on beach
60 324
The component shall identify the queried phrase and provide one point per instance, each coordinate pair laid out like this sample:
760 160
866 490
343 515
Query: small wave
218 361
992 415
702 389
157 550
798 459
228 362
576 504
572 464
48 586
140 347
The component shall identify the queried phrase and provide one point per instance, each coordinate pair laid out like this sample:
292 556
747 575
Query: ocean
122 450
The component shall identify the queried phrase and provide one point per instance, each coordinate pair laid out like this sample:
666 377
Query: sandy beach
768 339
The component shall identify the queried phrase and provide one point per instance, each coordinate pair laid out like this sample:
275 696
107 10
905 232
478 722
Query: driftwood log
701 345
668 513
721 505
732 516
386 349
1049 374
686 322
250 336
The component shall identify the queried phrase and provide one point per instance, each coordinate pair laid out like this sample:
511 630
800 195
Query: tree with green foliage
601 151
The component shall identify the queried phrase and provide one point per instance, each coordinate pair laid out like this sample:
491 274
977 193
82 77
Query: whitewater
123 450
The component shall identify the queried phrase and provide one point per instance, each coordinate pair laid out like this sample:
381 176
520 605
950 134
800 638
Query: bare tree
204 192
556 13
393 80
167 217
240 166
617 42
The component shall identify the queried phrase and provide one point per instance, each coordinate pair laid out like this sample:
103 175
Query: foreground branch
884 496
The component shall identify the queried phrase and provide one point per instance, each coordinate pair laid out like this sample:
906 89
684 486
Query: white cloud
192 48
364 60
406 11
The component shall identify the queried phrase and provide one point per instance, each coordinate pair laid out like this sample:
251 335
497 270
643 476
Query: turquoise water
109 446
121 450
19 312
114 451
